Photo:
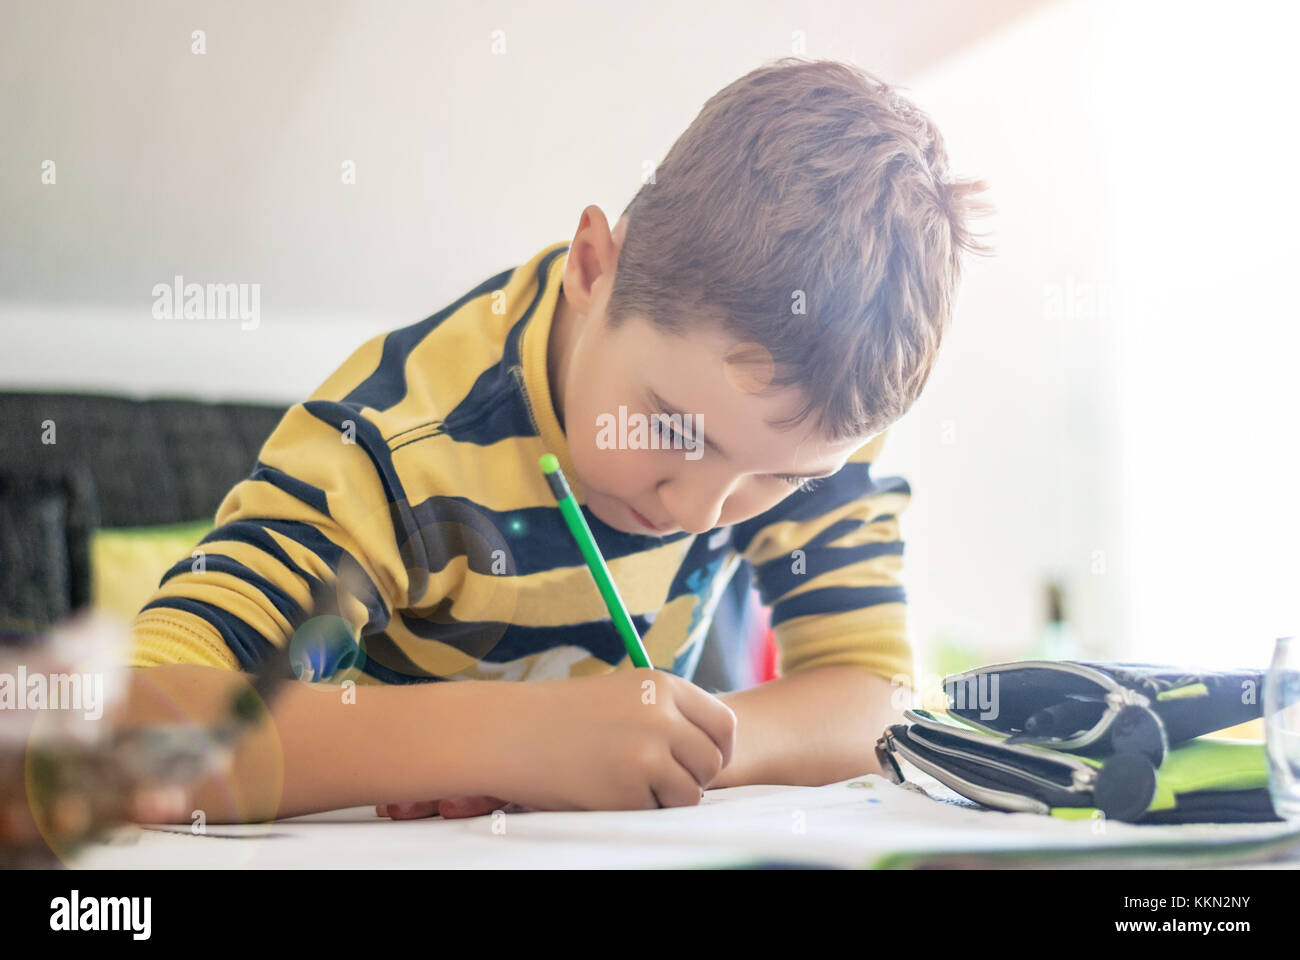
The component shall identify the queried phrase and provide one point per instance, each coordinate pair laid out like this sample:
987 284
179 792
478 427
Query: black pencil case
1205 779
1100 709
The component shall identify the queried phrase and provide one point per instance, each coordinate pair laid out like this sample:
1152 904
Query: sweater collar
533 357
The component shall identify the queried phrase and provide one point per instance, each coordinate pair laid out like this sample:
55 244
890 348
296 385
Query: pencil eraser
549 463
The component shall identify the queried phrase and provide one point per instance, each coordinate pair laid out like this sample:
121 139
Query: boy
716 375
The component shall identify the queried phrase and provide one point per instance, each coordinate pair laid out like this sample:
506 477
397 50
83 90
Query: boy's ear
619 232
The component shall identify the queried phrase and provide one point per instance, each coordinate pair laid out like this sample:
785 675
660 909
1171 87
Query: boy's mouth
644 522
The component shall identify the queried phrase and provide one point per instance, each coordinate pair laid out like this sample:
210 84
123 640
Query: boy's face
718 463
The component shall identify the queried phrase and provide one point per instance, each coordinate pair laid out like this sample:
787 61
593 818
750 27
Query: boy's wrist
479 759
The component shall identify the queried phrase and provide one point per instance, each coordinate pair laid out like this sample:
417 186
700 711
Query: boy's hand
628 740
448 809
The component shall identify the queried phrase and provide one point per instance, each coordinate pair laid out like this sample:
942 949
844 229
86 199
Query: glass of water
1282 728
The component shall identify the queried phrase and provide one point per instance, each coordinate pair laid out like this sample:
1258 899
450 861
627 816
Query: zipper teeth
1073 763
1060 665
517 372
1012 801
1003 766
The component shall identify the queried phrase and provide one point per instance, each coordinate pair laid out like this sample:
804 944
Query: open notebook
864 822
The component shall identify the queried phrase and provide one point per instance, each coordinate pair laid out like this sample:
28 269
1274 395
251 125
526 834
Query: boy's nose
697 507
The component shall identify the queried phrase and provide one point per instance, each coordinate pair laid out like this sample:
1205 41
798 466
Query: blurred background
1102 465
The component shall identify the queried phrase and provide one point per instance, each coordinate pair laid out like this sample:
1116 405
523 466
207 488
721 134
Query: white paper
856 823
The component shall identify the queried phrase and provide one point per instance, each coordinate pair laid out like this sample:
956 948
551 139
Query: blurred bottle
1282 728
1057 641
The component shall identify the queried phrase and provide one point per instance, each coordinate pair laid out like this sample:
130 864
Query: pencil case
1100 709
1204 780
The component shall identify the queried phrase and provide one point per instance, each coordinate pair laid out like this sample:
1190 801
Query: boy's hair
807 186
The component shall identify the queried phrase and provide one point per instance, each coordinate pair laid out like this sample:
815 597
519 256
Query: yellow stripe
433 656
877 531
233 595
557 597
873 637
885 571
783 538
489 474
264 565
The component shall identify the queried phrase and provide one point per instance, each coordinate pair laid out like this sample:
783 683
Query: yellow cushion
126 563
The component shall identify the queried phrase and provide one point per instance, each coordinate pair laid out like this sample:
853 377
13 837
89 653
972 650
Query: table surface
864 822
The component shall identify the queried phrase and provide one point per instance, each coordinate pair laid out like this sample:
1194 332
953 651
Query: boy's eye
666 426
800 482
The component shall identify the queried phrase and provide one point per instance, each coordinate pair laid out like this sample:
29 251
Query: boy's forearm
319 752
810 728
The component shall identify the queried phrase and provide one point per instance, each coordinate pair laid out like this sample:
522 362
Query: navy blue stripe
830 600
840 528
500 642
386 386
386 675
218 563
314 497
852 482
510 356
494 409
250 648
387 655
444 528
534 539
777 577
349 574
255 535
365 436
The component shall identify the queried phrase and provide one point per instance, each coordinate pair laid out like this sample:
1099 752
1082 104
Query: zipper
998 799
1117 697
1080 771
998 765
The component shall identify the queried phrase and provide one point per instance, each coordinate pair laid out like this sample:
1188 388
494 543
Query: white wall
1136 152
226 167
1119 378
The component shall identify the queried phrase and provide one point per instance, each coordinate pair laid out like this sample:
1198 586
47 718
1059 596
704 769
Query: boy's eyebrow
671 410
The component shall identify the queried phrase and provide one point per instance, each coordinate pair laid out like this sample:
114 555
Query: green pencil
595 562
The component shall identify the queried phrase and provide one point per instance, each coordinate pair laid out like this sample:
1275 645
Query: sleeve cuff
160 637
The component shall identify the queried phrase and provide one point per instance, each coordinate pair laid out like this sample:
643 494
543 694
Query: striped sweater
404 496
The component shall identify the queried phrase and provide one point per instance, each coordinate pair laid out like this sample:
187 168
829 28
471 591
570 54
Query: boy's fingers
412 811
468 807
450 809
